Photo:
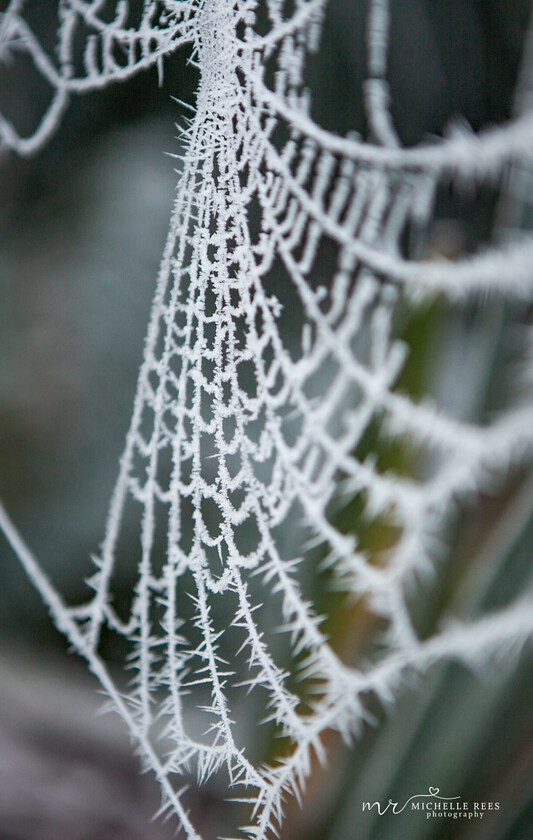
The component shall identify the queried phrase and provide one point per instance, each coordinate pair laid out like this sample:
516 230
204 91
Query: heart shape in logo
433 791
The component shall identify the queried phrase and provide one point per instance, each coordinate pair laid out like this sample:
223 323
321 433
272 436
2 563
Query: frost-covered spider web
271 352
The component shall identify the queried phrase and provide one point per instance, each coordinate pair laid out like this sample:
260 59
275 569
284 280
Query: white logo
435 805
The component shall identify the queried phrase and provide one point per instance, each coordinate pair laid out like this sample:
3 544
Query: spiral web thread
255 394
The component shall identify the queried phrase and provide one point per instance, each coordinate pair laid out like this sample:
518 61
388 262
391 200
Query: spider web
271 356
